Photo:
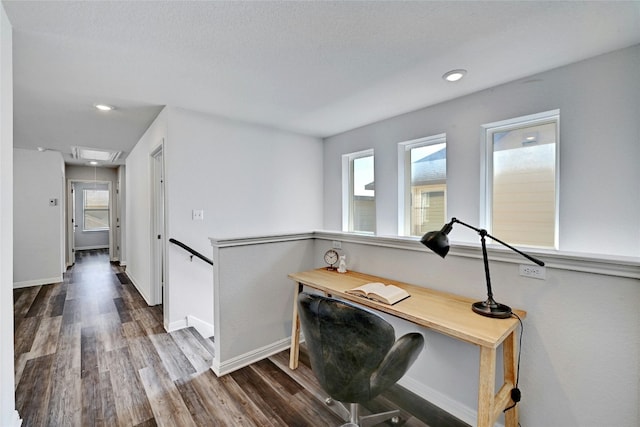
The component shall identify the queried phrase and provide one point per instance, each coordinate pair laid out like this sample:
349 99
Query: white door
158 226
73 223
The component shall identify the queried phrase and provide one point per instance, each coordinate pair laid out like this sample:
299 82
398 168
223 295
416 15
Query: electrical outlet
336 244
197 215
533 271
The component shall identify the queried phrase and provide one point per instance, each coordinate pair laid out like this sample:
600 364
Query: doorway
90 217
158 258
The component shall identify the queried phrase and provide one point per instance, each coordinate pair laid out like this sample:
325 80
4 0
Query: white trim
88 248
177 325
38 282
442 401
158 226
617 266
70 255
486 164
247 359
17 421
135 284
347 185
205 329
404 178
255 240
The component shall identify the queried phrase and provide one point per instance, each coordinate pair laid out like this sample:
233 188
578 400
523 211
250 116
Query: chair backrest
346 345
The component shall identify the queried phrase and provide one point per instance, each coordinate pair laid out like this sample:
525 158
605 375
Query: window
359 212
423 173
95 204
522 180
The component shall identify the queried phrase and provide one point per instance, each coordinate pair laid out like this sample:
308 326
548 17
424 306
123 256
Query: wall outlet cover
533 271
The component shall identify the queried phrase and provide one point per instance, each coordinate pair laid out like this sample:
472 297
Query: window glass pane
428 187
96 210
524 185
96 219
363 204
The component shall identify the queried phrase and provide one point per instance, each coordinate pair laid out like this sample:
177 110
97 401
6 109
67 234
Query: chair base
355 420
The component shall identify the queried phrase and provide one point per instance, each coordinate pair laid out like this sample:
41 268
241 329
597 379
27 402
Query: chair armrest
397 362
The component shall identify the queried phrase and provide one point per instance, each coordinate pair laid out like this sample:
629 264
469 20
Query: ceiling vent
83 153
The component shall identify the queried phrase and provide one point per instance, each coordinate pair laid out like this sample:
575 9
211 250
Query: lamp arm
482 231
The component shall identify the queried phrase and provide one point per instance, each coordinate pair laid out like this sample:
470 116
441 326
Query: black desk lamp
438 242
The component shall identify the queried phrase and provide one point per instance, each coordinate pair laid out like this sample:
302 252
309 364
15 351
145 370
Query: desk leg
510 361
486 388
295 331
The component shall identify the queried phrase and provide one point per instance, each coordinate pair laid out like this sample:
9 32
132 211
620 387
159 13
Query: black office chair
354 353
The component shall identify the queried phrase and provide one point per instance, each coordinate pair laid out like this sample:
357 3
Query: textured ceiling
313 67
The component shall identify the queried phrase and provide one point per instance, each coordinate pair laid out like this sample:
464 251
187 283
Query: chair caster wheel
328 401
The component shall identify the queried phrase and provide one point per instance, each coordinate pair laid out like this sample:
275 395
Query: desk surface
444 312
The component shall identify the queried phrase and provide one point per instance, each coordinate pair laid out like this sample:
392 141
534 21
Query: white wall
599 102
8 415
38 243
253 298
248 180
138 206
581 347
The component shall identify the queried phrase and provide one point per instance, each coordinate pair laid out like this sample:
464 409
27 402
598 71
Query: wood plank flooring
90 352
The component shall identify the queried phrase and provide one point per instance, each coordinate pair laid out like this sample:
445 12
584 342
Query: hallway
90 352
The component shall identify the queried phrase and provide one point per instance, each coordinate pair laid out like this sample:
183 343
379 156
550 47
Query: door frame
159 282
71 256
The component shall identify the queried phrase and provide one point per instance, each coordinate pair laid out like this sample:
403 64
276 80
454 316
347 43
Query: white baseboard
228 366
17 421
135 284
89 248
455 408
205 329
174 326
37 282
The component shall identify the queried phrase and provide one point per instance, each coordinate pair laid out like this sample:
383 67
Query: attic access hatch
96 154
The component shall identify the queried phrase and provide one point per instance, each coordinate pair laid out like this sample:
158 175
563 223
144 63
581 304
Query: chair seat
353 351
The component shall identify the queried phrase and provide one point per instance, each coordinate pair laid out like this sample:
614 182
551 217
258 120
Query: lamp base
491 308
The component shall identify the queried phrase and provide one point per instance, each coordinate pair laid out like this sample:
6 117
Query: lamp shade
438 241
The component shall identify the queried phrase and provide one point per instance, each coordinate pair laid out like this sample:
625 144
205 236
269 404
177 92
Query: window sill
583 262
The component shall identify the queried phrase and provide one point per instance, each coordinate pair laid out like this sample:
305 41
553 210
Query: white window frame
486 167
347 187
404 179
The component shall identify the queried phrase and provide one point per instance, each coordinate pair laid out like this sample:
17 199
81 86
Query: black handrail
191 251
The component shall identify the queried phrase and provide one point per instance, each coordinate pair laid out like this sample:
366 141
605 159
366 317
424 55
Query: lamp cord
515 391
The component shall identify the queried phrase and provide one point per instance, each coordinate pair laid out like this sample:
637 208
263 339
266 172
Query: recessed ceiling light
93 163
104 107
454 75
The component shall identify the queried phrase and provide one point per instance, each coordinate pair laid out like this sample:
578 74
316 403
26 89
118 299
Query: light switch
197 215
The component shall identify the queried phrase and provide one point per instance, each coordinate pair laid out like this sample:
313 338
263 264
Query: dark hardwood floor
90 352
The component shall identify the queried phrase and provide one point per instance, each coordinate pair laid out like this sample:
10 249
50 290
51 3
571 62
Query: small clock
331 257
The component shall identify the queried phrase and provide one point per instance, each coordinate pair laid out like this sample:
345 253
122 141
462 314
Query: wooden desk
443 312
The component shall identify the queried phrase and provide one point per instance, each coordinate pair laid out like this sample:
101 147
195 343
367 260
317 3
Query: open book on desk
388 294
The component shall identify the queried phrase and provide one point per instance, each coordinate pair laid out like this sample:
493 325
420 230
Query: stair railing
191 251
